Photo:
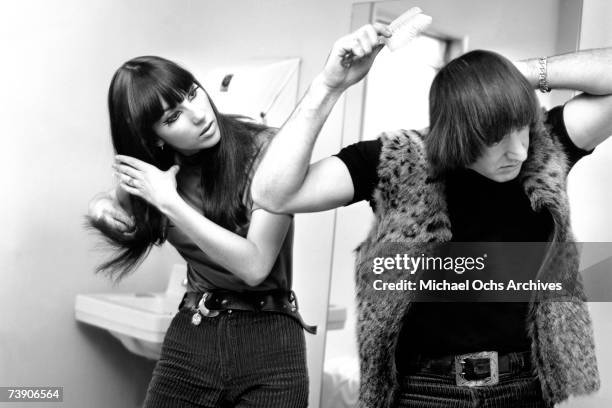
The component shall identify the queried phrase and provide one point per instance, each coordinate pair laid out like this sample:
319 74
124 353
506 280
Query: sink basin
138 320
336 317
157 303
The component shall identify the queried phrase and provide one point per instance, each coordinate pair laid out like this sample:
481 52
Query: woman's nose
198 113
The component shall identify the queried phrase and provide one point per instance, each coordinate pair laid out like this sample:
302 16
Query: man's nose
517 148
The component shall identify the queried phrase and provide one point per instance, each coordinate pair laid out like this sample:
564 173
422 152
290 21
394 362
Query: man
513 163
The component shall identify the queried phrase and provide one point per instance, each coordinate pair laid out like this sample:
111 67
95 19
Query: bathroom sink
336 317
138 320
158 303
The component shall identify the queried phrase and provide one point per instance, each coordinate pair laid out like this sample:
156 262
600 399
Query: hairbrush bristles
407 27
404 29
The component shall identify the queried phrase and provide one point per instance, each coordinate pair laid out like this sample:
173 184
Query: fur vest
411 215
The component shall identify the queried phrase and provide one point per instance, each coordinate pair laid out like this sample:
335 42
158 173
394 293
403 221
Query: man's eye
497 142
172 118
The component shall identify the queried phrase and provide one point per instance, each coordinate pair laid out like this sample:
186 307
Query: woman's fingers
128 188
146 181
117 225
130 181
129 176
122 219
115 218
127 170
131 161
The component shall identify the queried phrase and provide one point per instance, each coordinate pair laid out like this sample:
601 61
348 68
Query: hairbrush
403 29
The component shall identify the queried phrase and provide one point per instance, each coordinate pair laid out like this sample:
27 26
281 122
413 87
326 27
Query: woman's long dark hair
134 104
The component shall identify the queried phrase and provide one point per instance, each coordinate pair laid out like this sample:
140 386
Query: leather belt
474 369
211 304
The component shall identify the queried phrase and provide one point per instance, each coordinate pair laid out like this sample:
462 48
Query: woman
491 167
184 170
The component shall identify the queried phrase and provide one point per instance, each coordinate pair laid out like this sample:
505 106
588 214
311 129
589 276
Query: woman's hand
104 209
147 181
352 56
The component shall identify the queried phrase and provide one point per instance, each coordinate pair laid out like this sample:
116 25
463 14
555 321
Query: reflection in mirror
395 95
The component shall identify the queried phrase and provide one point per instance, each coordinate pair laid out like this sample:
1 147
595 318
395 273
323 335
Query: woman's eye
172 118
192 93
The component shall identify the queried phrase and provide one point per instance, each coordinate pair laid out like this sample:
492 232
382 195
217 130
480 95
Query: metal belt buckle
293 302
466 373
204 310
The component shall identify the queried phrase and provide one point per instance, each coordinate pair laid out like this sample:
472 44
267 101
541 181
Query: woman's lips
207 128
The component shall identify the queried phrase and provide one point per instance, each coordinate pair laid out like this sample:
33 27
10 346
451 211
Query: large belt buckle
204 310
466 375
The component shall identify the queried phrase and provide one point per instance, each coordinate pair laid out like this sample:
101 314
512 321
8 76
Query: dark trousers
514 390
239 359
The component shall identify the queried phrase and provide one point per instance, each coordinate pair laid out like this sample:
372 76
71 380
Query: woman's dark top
205 274
480 210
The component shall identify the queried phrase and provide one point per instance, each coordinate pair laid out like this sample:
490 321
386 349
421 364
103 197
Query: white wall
498 25
58 58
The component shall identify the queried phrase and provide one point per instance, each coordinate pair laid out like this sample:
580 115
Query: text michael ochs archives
458 265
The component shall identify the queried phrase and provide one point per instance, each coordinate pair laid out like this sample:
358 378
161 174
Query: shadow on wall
135 370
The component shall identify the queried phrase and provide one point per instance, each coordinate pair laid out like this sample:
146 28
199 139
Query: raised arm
285 182
588 116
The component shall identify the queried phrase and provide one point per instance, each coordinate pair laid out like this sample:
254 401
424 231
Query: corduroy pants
239 359
514 390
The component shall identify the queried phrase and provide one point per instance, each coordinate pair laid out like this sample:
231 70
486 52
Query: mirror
395 95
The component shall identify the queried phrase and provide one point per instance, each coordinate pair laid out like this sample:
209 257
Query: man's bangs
508 109
475 101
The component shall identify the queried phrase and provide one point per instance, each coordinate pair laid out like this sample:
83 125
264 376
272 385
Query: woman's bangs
169 86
